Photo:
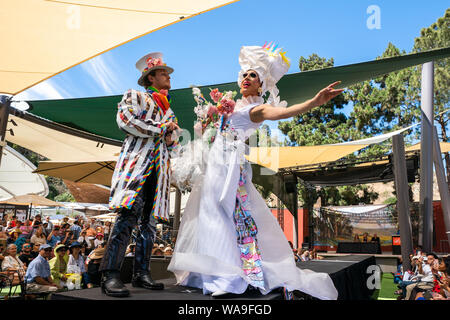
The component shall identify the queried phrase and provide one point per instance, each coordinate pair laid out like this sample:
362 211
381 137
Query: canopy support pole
426 156
401 189
177 213
310 220
442 183
5 103
295 219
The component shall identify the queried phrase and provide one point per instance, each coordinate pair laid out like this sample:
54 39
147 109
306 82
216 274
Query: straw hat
98 253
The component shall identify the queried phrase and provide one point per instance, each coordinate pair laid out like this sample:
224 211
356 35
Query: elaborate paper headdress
270 63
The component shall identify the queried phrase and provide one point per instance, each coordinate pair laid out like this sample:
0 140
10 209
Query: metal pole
443 186
401 189
177 213
311 220
426 154
295 219
5 103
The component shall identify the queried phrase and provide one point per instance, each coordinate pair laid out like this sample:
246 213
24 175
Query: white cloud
102 70
43 91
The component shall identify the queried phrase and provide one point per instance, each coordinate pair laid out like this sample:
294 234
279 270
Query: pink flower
216 95
226 106
212 111
164 92
153 62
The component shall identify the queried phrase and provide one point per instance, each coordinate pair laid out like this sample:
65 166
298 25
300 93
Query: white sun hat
270 63
150 62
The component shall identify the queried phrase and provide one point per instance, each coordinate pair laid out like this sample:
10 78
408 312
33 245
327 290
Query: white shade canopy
43 38
17 177
98 207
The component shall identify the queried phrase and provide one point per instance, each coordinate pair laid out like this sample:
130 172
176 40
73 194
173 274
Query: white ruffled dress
206 254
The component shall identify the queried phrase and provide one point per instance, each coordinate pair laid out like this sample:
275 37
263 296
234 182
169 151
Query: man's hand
172 126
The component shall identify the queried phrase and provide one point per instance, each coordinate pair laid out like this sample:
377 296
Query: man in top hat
140 186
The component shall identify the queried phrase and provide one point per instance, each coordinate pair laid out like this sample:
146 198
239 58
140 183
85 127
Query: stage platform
170 292
348 272
387 262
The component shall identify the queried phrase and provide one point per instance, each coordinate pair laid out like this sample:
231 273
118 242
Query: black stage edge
348 272
170 292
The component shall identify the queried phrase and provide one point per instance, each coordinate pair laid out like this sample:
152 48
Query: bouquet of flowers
212 117
189 165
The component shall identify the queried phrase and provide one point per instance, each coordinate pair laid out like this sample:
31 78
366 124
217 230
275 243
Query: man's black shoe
113 286
146 281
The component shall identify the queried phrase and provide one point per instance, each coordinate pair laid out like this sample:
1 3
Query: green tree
324 125
380 105
438 36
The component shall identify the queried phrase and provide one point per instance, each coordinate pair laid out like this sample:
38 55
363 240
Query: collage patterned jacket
143 150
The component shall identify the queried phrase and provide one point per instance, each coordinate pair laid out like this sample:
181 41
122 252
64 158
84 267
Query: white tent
17 177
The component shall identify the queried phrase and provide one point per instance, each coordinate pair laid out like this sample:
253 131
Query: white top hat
150 62
270 63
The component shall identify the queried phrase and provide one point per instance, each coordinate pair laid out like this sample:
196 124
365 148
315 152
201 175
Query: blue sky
204 49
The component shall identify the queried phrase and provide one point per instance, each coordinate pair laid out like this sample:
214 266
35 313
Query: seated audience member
98 240
441 289
67 237
37 221
2 254
58 265
83 239
38 276
25 256
13 265
26 229
76 229
20 242
425 275
90 232
76 264
409 277
305 256
54 237
94 264
13 222
356 238
168 251
12 237
375 238
38 237
365 237
48 226
158 251
107 229
35 250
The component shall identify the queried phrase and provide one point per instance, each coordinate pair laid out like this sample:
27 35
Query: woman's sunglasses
251 74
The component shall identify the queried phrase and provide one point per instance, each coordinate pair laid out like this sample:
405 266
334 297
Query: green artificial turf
388 287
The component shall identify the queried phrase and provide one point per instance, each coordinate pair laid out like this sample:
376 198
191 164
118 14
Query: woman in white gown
228 239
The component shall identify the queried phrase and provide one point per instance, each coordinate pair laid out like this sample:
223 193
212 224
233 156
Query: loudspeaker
290 183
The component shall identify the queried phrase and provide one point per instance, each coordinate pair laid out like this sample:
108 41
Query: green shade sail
97 115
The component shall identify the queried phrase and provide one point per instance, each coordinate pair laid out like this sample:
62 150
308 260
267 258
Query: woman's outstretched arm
268 112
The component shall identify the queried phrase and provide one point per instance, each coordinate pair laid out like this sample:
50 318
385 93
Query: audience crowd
60 256
67 255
